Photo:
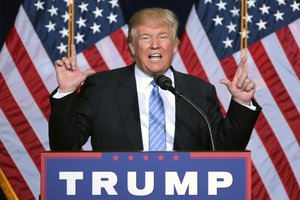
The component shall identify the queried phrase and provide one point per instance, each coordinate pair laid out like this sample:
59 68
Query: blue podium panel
146 175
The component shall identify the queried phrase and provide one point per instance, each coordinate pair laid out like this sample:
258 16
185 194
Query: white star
83 7
235 11
52 11
98 12
67 2
295 6
64 32
281 2
221 5
81 22
50 26
251 3
278 15
114 3
65 16
231 27
39 5
218 20
261 24
227 42
264 9
207 1
112 18
95 28
249 18
244 33
79 38
62 48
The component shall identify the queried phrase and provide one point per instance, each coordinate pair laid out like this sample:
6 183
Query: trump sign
146 175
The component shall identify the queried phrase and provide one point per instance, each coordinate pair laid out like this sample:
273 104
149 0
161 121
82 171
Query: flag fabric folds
209 49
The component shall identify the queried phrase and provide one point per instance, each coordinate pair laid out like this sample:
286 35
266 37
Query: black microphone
165 83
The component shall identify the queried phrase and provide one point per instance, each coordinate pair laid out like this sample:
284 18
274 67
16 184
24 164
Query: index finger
240 68
73 54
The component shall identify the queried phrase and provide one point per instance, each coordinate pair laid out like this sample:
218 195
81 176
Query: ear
175 49
131 48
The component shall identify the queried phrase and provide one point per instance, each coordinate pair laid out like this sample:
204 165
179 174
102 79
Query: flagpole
244 31
70 26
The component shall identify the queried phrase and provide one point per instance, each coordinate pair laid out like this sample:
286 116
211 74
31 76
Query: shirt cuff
59 95
251 106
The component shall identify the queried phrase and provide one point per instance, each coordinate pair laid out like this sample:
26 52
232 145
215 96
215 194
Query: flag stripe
258 189
110 54
27 70
18 153
276 87
95 59
14 176
190 59
277 156
21 126
278 123
119 39
23 97
267 170
283 67
36 51
290 47
270 137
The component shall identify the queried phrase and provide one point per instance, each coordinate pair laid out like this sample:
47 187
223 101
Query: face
153 47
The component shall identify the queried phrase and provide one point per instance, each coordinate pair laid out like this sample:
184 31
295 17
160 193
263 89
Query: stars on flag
90 17
261 15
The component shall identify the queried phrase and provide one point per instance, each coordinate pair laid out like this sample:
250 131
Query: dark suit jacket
107 110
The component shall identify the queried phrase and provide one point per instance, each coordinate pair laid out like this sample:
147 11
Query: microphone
165 83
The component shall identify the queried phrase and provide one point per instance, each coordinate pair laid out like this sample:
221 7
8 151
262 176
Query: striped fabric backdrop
209 49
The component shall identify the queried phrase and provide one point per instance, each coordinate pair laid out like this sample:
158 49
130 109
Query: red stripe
259 191
95 59
28 71
276 87
190 58
290 48
13 175
278 158
229 66
192 63
119 39
269 140
19 123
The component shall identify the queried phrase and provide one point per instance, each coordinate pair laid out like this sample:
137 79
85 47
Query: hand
242 88
69 76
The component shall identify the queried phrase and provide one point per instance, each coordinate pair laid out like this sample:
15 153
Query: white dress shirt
144 89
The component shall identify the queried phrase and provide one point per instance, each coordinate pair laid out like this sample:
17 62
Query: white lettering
190 181
215 182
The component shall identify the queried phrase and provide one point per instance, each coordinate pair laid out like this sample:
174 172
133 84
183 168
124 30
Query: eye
145 37
163 36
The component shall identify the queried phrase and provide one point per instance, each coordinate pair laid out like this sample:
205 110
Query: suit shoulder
193 80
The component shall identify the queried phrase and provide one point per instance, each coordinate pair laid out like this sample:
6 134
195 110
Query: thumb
89 72
226 82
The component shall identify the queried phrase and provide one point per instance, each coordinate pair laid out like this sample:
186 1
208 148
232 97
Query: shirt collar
143 80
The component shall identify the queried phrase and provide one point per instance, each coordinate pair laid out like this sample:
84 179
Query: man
113 107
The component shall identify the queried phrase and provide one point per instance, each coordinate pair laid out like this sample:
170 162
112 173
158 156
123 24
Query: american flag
209 49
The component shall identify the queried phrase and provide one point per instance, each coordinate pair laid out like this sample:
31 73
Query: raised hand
242 88
69 76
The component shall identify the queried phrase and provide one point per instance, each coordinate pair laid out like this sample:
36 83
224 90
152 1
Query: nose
154 44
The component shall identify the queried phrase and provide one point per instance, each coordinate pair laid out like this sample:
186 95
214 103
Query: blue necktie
157 127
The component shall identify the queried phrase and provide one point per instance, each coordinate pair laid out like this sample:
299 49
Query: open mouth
155 56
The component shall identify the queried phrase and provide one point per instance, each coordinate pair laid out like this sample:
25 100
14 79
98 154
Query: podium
146 175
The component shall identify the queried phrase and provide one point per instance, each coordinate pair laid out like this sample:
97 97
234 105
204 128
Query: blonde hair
165 16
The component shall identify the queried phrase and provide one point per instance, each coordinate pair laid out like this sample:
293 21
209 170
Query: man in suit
113 108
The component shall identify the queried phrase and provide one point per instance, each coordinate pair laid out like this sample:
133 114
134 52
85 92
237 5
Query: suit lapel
128 105
183 116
